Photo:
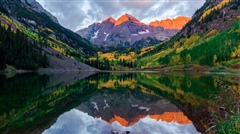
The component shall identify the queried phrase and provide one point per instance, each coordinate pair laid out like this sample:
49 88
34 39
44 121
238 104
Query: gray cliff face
34 5
123 32
88 32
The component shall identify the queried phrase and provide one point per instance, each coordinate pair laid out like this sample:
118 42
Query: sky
78 14
77 122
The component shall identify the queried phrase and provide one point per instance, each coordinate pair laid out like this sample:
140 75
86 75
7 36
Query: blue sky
77 14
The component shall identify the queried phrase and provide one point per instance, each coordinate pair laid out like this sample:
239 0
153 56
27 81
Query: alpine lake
138 102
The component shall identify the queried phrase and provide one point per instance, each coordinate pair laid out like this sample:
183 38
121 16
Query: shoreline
193 68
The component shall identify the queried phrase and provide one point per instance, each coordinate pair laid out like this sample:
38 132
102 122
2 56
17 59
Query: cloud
77 14
77 122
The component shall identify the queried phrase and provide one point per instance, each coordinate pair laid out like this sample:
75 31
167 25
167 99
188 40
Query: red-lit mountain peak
176 23
177 117
127 17
110 19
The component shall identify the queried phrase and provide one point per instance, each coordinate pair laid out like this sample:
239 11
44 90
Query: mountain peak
176 23
127 17
111 19
182 18
126 14
124 32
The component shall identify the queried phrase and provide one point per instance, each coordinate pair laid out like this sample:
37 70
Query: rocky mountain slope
42 37
31 15
34 5
211 38
126 30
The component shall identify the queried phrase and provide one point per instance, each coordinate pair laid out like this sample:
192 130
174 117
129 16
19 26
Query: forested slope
211 38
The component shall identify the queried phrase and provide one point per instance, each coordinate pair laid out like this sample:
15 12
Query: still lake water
101 103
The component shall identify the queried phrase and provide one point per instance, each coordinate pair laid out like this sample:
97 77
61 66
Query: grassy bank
225 108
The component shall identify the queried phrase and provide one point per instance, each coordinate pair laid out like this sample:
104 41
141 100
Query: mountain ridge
124 31
111 19
175 23
127 17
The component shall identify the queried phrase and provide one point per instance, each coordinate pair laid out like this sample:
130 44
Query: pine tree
2 59
20 51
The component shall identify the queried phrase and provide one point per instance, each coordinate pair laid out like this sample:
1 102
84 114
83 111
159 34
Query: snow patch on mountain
95 35
106 37
106 104
144 32
134 34
144 108
95 106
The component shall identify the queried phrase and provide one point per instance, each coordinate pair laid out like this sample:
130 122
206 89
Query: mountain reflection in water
81 102
78 122
136 112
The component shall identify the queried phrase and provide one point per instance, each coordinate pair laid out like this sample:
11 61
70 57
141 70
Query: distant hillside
211 38
127 30
30 35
